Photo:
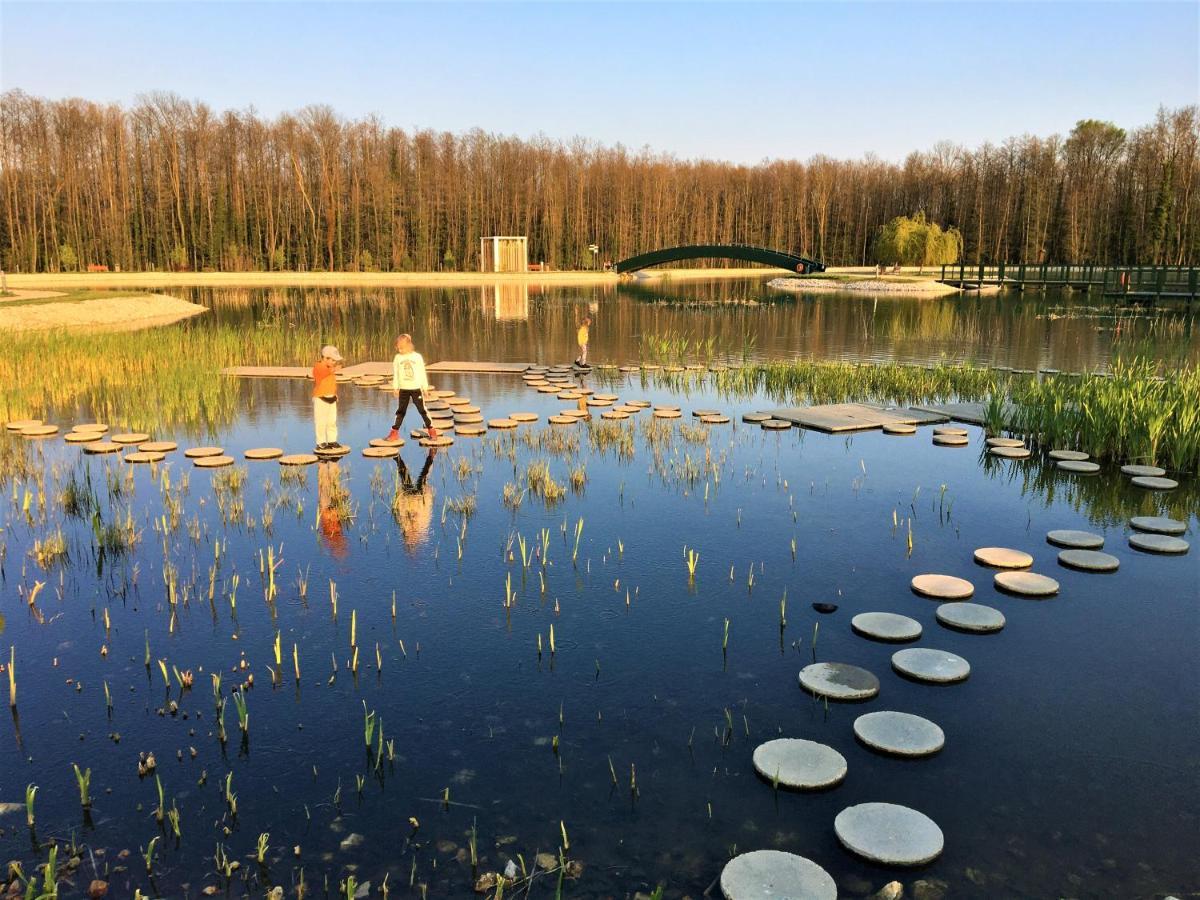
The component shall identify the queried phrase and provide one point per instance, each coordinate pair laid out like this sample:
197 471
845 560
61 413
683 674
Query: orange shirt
324 380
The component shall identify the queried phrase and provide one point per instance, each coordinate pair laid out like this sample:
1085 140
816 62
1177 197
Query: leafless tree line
170 183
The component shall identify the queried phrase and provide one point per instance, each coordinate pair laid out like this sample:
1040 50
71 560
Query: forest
171 184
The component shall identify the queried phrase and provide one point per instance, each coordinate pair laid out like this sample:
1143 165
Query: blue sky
738 81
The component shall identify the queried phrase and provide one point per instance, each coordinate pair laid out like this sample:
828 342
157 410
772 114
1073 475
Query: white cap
331 352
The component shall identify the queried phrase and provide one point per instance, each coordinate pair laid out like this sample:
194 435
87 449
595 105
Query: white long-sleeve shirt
408 372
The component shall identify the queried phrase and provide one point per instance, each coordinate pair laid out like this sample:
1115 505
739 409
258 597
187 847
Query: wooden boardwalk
378 368
840 417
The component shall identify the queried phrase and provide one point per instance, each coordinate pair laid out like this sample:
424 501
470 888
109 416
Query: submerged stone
825 608
889 834
771 874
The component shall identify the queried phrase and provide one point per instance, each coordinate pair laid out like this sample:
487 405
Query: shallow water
1071 764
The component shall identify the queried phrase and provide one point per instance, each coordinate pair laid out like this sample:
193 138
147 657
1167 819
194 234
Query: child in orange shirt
324 375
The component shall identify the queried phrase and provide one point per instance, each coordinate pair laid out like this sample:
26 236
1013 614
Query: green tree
449 260
67 257
917 242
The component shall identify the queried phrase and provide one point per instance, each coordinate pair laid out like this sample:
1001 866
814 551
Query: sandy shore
866 285
128 313
148 280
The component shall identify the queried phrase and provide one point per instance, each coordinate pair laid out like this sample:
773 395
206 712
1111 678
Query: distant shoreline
867 284
128 312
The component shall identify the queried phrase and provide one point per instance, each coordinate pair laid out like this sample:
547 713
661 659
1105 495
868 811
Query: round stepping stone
776 425
1076 540
436 442
667 414
1069 455
641 404
1079 467
1158 543
755 418
1003 558
520 417
1026 584
839 681
889 834
21 424
470 430
946 429
333 452
668 406
198 452
701 413
628 370
102 447
380 452
146 456
442 394
800 765
561 420
1004 442
950 440
1158 524
92 427
884 626
929 665
899 428
1011 452
1143 471
614 414
81 437
650 367
213 462
974 617
501 423
458 401
942 587
466 411
436 405
1152 483
441 415
569 395
547 389
298 459
577 413
718 419
628 408
611 398
673 369
130 437
384 442
763 874
1088 560
596 401
899 733
157 446
39 430
263 453
468 420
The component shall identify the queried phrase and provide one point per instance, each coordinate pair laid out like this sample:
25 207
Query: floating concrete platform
971 413
475 367
379 368
839 417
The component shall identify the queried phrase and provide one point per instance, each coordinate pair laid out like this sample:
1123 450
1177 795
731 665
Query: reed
239 702
83 779
30 795
12 677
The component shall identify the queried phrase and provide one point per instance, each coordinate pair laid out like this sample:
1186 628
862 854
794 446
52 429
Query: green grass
68 297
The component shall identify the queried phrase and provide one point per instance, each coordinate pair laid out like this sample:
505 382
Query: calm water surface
1071 765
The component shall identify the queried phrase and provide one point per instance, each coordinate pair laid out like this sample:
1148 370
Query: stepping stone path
950 440
800 765
973 617
1076 540
1154 484
21 424
298 459
889 834
39 430
1011 452
333 453
102 447
81 437
614 414
520 417
561 420
1003 558
899 733
1158 524
763 874
1004 442
502 423
934 666
942 587
131 437
1078 467
641 404
884 626
470 430
1144 471
380 452
950 430
701 413
384 442
667 414
198 452
98 427
899 428
1069 455
1026 584
213 462
1158 543
436 442
263 453
839 681
1088 560
776 425
157 446
145 456
756 418
718 419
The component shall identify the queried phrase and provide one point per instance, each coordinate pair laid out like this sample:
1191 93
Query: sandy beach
123 313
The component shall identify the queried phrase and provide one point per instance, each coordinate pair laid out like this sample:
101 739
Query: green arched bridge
742 252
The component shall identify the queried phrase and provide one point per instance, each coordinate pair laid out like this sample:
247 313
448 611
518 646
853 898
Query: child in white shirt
410 383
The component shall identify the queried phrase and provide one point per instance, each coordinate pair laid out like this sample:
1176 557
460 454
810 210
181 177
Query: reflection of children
410 383
582 338
324 375
413 503
328 490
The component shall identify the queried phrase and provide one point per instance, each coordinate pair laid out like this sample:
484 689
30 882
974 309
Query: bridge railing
1023 273
1153 282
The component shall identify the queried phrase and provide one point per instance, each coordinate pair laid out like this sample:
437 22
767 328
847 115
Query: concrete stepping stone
611 398
899 428
333 452
562 420
756 418
145 456
701 413
582 391
672 407
82 437
380 452
628 408
213 462
614 414
942 587
442 395
641 404
469 410
577 413
1154 484
96 427
1088 560
298 459
775 425
436 404
458 401
839 681
522 417
973 617
157 446
718 419
667 414
596 401
885 626
889 834
1079 467
21 424
1075 540
951 430
1003 558
130 437
1158 543
39 430
799 765
1011 452
548 389
501 423
1158 524
263 453
930 665
950 440
474 419
1004 442
1026 584
569 395
470 430
766 874
436 442
1144 471
1068 455
198 452
650 367
899 733
628 370
98 447
384 442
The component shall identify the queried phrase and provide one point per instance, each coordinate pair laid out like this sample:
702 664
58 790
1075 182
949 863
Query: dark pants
406 482
402 407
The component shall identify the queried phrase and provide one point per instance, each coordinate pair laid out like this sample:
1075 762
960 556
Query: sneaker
432 432
393 435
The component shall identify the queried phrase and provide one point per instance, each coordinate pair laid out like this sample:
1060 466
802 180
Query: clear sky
738 81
